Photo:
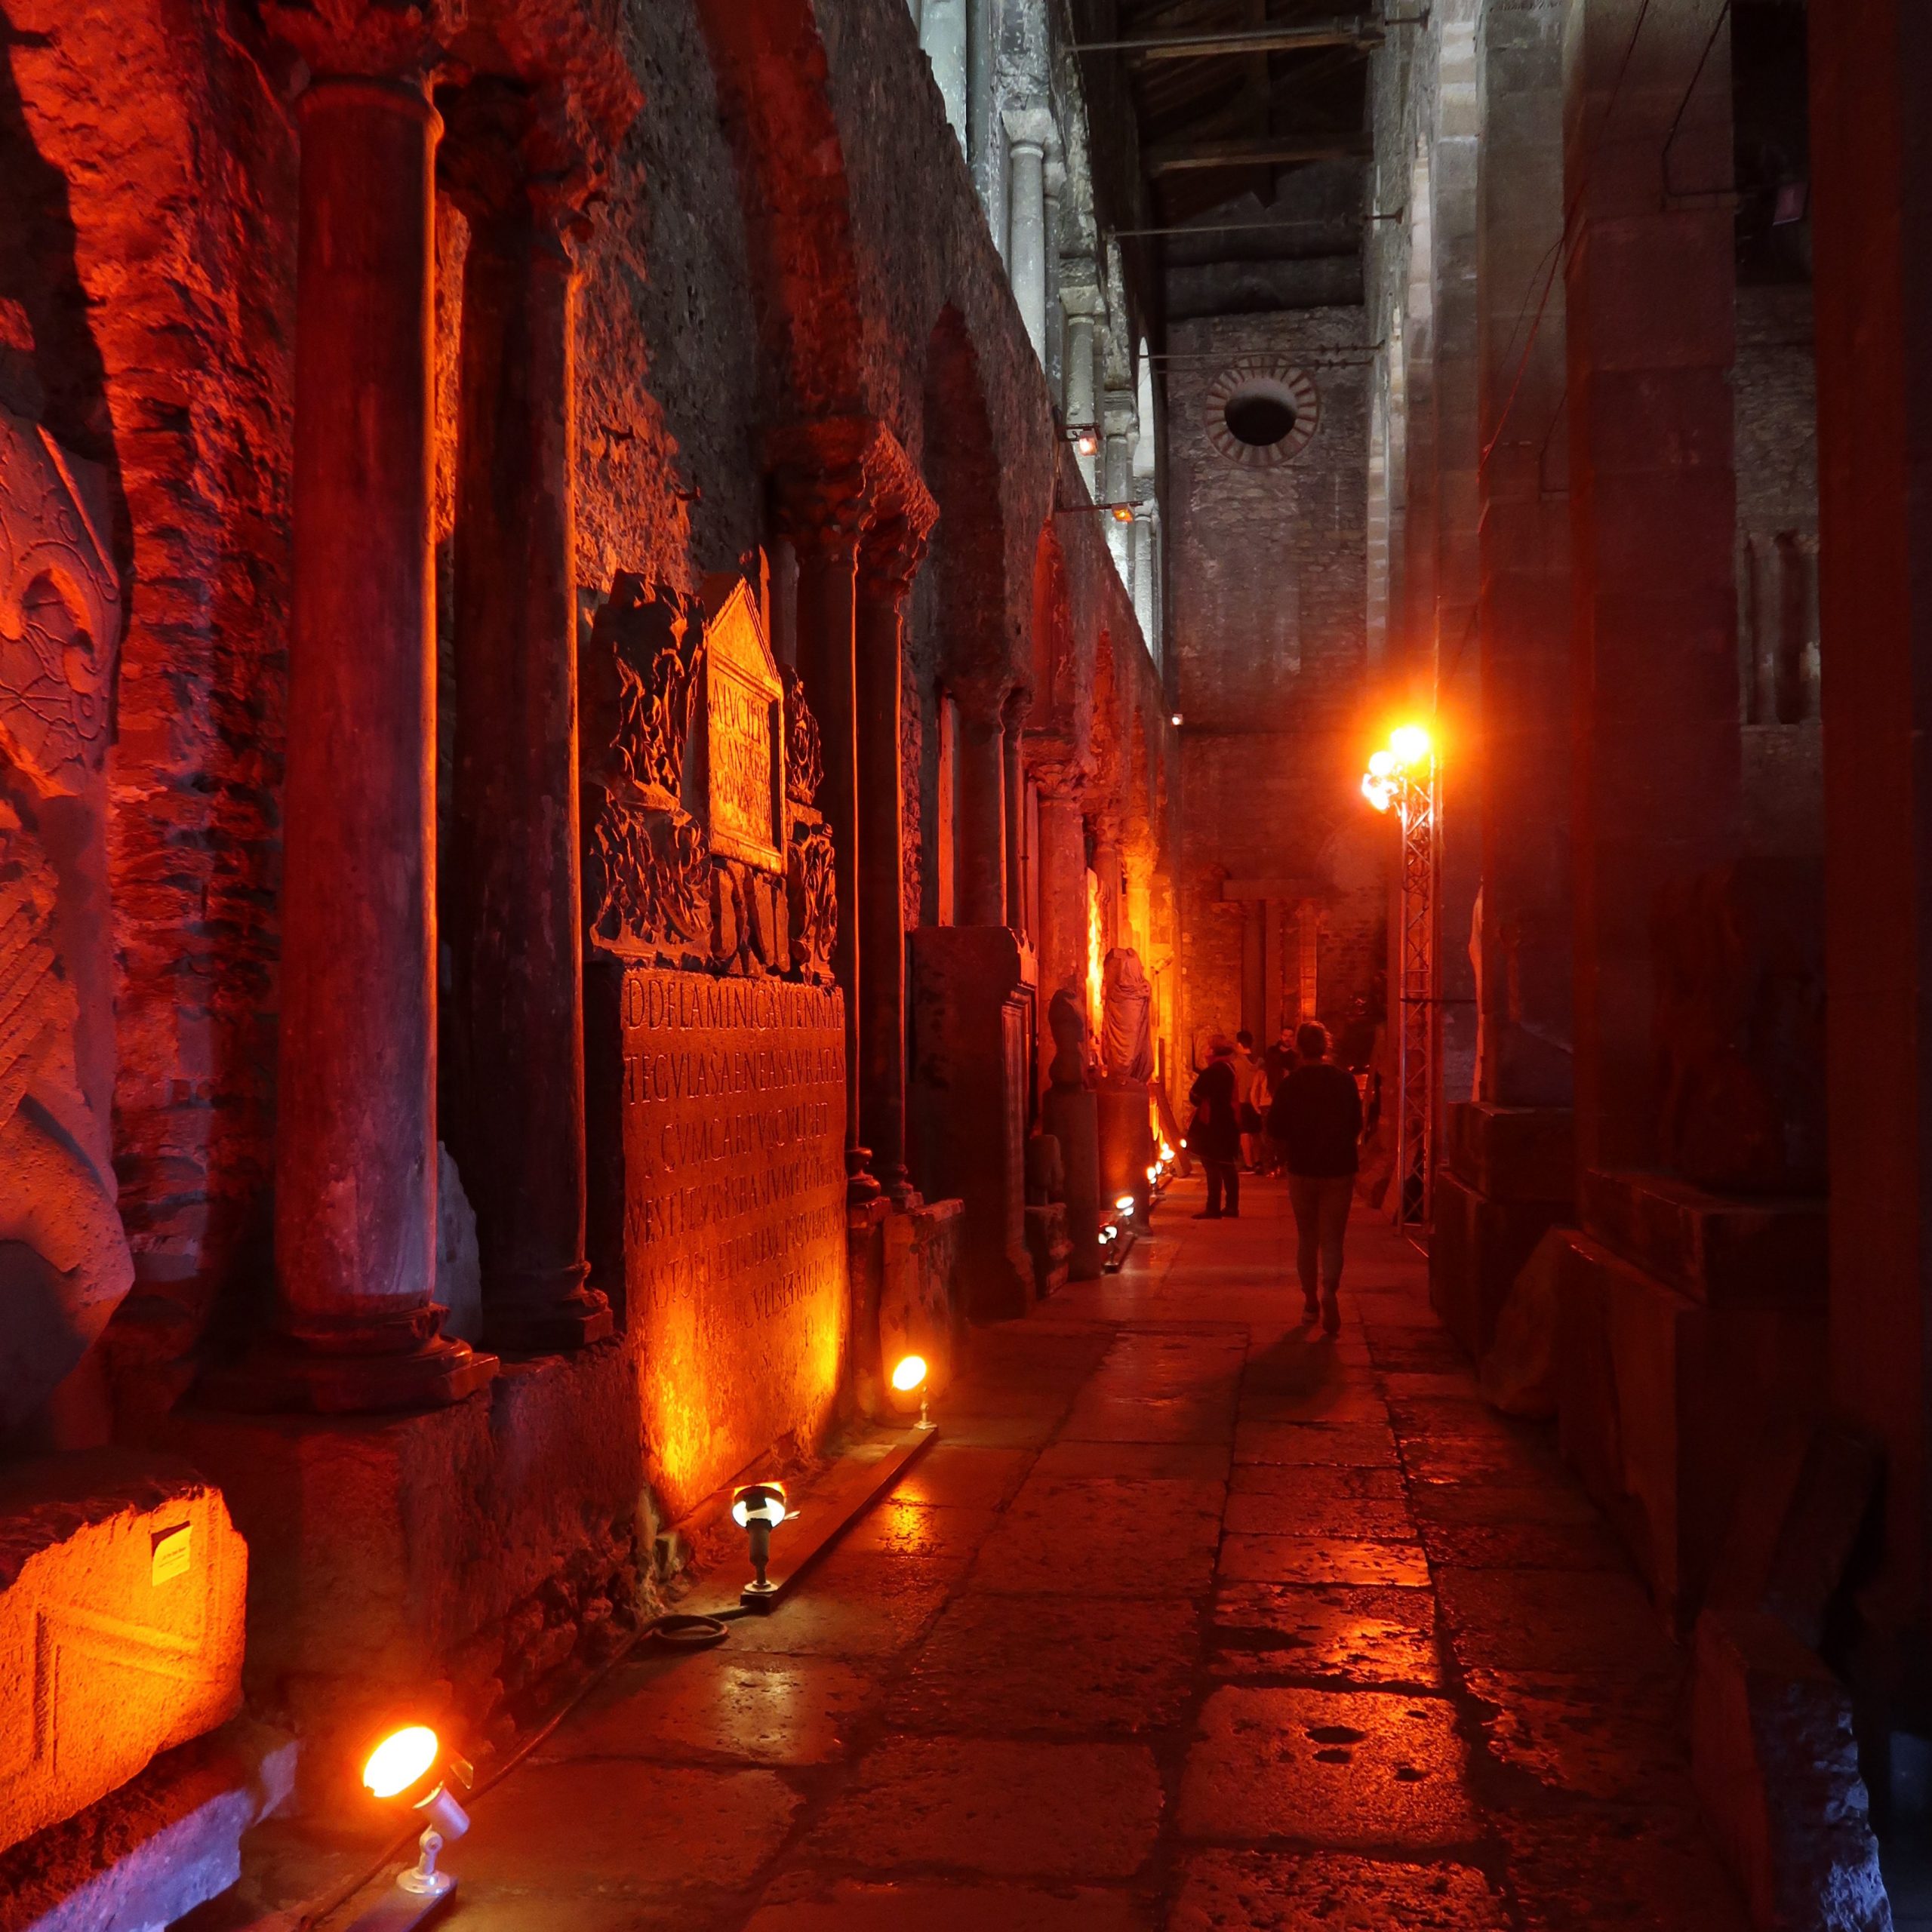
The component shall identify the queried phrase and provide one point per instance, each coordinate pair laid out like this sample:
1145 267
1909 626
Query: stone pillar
1507 1173
1082 407
1117 479
982 832
1055 185
943 35
888 564
516 923
1060 945
355 1140
1106 872
1653 504
1142 529
1027 223
823 495
1013 780
1871 71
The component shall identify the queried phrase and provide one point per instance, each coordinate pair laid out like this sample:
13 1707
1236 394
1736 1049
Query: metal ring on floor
689 1633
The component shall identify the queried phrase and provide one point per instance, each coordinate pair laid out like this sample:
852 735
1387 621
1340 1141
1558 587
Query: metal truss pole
1415 1129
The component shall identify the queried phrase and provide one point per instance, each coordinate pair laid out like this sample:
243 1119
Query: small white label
173 1551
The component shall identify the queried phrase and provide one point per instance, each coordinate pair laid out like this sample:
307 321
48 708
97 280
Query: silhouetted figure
1317 1117
1215 1132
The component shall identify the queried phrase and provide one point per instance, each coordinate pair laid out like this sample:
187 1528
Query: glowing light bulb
1378 792
1123 512
1409 742
1087 442
910 1373
1167 1153
1380 764
1153 1174
1124 1205
400 1759
1175 720
758 1502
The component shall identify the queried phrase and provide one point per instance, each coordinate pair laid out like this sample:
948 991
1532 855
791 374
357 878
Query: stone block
968 1093
160 1845
1126 1144
1478 1246
1661 1401
1071 1116
122 1585
431 1561
1514 1153
1517 1371
918 1312
1721 1249
1047 1242
1776 1772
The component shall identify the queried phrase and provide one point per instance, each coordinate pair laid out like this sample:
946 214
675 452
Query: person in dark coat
1214 1134
1317 1117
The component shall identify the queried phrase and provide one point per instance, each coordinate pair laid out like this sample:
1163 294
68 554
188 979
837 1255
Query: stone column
1870 75
982 831
355 1140
888 564
823 497
1026 220
1655 749
1060 945
1117 479
1143 560
1106 873
1523 620
516 923
1013 780
1082 409
943 35
1056 184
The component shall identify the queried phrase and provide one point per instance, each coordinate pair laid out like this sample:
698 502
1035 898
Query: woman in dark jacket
1214 1135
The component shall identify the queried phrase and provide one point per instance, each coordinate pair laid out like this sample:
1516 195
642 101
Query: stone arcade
667 667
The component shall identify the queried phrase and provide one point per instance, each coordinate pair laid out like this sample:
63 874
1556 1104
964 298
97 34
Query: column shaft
828 566
1870 76
1061 944
1082 410
885 578
1026 252
1013 780
516 926
355 1143
981 833
1655 746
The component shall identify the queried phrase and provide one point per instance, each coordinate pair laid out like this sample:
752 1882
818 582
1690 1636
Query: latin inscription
743 728
734 1132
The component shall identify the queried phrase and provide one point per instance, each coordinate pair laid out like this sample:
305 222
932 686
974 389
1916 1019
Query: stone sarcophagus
714 1038
121 1583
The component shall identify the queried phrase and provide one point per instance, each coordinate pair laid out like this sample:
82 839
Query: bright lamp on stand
1402 776
410 1767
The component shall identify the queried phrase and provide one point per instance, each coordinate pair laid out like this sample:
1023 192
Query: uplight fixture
1087 441
911 1373
758 1508
1123 512
410 1767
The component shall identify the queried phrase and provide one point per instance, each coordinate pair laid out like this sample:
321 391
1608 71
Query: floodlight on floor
758 1508
911 1374
410 1767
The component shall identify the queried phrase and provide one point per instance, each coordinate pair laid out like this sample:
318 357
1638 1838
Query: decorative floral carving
805 756
648 880
813 892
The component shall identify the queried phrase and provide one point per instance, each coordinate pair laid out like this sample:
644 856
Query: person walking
1317 1117
1245 1068
1214 1134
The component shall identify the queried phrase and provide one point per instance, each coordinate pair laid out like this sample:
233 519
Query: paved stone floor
1193 1620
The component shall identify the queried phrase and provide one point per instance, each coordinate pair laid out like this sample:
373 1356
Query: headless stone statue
1128 1035
64 1259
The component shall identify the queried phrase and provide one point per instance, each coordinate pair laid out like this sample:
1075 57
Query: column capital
891 553
836 476
367 39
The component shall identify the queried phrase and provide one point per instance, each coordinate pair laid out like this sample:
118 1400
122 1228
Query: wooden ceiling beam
1273 152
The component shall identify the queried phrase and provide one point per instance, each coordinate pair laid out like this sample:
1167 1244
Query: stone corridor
1191 1619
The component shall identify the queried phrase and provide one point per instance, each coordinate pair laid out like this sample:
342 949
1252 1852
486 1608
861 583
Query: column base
279 1376
861 1184
545 1315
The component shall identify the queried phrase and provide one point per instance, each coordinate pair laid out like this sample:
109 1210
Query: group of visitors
1305 1119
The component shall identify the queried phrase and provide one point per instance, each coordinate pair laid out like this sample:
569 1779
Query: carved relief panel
64 1259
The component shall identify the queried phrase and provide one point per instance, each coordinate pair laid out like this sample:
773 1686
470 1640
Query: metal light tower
1404 776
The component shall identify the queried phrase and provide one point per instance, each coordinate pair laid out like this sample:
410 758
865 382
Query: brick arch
962 472
769 63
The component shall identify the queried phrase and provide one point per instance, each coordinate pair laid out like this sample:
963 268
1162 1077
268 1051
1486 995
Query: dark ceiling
1250 121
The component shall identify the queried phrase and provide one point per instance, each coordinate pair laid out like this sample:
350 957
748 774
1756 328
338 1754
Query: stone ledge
1718 1249
1526 1154
157 1847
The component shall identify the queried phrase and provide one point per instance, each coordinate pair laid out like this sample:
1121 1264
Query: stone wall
1271 666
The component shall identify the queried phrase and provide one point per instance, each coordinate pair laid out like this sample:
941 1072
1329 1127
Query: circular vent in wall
1261 412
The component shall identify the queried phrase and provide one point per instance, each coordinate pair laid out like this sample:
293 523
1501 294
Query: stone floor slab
1251 1891
955 1476
1577 1621
1363 1636
1069 1666
1322 1559
1289 1514
1348 1769
1115 1538
1354 1444
1005 1809
847 1905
